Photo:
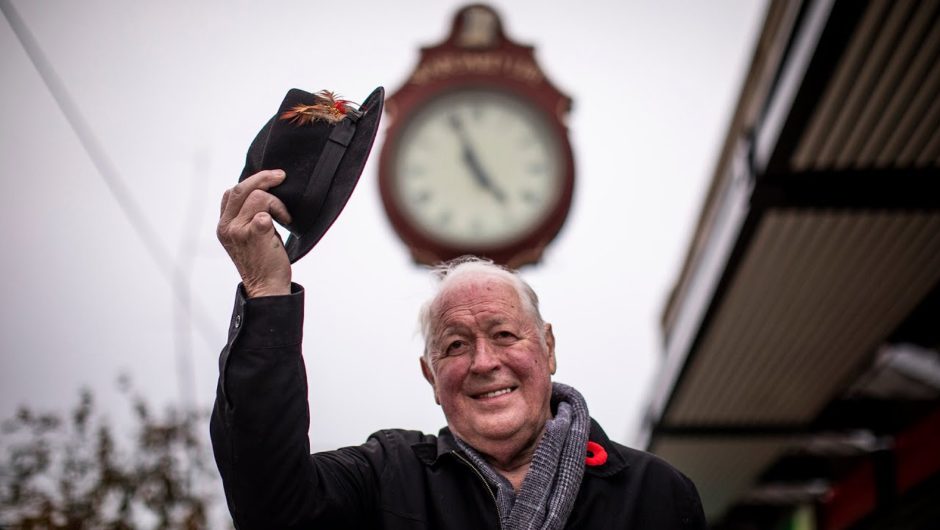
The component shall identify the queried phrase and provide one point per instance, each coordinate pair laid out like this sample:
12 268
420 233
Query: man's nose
485 357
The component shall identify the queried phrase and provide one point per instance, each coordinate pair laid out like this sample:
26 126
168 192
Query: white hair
452 271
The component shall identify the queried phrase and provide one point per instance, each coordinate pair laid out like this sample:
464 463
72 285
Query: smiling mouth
495 393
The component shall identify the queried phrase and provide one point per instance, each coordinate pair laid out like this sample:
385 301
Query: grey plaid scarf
551 485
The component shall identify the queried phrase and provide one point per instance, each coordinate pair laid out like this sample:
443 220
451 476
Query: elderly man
519 451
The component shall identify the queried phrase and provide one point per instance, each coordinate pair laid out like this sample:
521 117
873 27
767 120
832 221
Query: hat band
319 184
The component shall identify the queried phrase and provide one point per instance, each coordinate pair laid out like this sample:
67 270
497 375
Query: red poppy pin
596 455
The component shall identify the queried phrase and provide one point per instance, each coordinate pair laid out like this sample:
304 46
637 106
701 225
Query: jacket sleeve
259 429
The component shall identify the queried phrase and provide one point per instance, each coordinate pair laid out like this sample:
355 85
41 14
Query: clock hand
473 162
469 156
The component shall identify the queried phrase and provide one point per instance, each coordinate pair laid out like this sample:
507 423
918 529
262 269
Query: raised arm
261 416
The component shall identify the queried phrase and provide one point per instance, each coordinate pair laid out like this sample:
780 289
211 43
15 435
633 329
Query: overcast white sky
175 91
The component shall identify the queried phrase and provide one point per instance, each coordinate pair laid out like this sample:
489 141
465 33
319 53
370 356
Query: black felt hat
322 143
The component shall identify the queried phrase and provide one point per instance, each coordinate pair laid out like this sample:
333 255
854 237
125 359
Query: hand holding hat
246 230
321 143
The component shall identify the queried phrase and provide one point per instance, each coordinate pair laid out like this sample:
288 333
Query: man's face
490 365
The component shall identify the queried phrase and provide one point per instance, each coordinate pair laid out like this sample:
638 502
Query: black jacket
398 479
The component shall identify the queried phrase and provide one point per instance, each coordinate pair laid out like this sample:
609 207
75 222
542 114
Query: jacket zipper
486 485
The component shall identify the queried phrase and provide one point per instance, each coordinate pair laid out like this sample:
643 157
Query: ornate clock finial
477 26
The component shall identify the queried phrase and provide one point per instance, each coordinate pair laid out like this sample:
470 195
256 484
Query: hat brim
344 180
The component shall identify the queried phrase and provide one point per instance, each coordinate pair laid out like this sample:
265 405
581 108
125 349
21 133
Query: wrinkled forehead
475 291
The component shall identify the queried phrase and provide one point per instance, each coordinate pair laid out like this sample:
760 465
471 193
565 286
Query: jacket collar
615 460
431 452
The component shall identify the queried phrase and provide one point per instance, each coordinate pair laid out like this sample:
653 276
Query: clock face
477 168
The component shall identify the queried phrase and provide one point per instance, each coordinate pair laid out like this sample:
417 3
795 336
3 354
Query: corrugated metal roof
815 294
881 108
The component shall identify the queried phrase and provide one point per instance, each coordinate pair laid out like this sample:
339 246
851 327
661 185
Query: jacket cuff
267 321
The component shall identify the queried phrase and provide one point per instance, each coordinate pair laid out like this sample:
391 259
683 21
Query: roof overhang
819 237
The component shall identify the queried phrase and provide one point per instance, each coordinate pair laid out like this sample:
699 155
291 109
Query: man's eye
456 347
504 336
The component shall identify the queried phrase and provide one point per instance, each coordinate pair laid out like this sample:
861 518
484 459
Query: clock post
476 159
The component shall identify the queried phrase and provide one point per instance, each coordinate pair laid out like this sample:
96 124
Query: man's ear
550 346
429 377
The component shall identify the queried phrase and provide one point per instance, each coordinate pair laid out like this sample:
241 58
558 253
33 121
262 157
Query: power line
173 274
186 256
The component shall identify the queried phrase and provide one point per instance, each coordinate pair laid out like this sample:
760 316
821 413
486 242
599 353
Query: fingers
277 209
261 223
257 210
251 200
259 201
234 198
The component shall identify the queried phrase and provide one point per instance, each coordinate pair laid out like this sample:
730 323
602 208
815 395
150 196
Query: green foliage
69 472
